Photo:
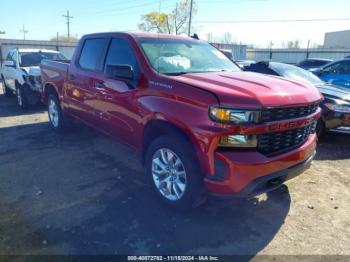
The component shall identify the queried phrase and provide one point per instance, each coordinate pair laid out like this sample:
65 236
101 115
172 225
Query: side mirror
9 63
123 72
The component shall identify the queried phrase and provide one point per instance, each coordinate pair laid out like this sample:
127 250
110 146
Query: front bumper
246 174
337 122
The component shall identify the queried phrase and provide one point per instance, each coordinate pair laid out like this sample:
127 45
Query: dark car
336 105
313 63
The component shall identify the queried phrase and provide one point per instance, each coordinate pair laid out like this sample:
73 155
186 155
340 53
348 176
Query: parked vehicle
336 73
20 74
336 105
201 124
227 53
243 63
313 63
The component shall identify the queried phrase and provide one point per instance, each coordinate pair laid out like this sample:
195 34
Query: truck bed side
54 75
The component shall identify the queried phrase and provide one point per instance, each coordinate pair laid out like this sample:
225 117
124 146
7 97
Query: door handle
71 76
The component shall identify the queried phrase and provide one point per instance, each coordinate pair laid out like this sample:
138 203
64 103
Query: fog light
248 141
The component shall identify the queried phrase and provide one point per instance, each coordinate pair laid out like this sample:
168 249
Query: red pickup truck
202 125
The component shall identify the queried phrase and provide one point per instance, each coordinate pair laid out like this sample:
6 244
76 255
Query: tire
58 121
7 91
181 186
320 128
21 94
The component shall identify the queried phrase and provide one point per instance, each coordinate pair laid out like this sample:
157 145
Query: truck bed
55 72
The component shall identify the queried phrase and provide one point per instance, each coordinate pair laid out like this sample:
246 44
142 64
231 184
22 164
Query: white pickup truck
20 74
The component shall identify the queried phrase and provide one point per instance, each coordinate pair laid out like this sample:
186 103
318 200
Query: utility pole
24 31
190 18
68 23
307 49
57 41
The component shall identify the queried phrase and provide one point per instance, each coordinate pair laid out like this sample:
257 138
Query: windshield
173 57
34 58
295 73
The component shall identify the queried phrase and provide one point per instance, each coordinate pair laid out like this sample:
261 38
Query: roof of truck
144 35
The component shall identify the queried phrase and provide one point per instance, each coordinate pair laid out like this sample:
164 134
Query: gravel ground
80 193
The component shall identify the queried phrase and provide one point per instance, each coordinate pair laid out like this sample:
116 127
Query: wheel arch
156 128
48 88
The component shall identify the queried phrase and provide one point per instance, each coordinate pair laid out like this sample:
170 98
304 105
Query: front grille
280 142
276 114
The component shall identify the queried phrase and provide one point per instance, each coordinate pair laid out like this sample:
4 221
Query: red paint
122 113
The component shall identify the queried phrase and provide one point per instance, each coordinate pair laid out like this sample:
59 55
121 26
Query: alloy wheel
169 174
53 113
19 97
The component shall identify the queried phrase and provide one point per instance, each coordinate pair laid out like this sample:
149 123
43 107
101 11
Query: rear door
81 92
117 105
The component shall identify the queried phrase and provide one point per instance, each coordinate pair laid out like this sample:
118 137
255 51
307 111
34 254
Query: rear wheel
174 172
56 117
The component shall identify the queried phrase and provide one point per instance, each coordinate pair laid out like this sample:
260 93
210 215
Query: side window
320 63
121 53
9 56
91 53
334 68
14 56
345 67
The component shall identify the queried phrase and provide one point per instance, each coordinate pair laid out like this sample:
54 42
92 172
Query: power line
94 9
68 23
272 21
119 9
24 31
122 12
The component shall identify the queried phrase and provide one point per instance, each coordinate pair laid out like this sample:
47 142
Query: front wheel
174 172
6 91
22 99
320 128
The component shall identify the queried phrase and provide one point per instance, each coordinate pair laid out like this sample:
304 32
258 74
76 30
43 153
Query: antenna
190 18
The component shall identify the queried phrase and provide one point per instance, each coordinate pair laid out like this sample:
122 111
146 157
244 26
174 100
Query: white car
20 74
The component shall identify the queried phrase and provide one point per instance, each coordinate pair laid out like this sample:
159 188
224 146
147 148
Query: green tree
176 22
293 44
156 22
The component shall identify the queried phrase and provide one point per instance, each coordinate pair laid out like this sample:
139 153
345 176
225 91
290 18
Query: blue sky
43 19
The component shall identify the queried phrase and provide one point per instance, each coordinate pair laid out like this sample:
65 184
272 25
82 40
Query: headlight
338 107
246 141
233 116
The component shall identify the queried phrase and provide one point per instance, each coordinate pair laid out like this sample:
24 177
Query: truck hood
333 91
32 70
252 90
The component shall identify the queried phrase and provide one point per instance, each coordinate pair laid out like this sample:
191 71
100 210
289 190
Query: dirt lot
80 193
